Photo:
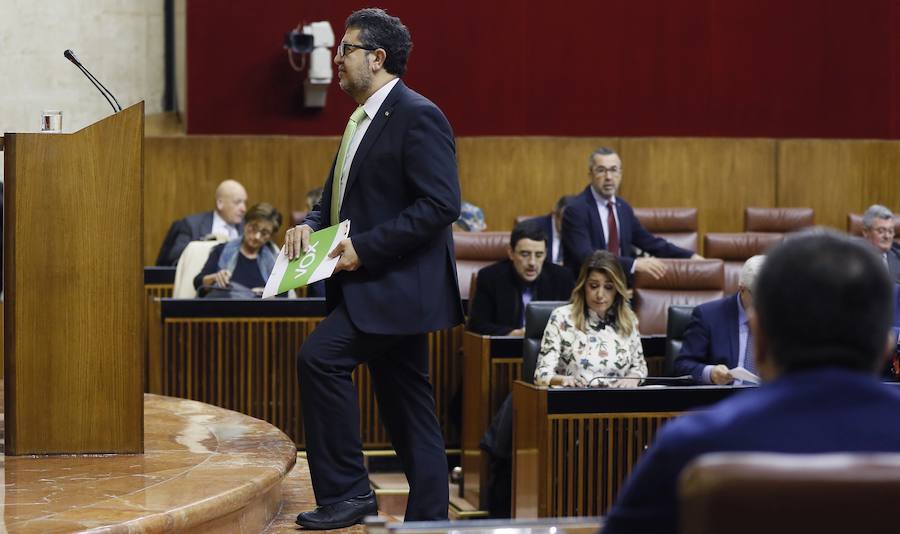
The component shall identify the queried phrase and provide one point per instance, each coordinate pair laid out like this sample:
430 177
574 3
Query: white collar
377 99
601 201
218 221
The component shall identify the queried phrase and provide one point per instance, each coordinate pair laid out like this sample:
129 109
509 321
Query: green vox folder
311 267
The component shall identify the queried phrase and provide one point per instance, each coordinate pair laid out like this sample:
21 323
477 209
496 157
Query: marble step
204 469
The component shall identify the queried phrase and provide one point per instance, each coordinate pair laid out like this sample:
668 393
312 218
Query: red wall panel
742 68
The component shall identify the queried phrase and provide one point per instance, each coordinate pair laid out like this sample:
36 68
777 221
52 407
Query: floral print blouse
597 352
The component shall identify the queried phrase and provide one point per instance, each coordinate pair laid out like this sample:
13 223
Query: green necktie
339 164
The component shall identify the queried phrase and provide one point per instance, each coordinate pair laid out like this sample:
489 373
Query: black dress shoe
340 514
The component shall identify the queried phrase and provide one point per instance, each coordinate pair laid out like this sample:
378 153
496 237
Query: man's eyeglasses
599 169
346 48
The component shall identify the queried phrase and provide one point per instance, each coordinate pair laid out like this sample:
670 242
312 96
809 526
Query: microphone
68 54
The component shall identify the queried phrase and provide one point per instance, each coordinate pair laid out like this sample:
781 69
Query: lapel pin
387 113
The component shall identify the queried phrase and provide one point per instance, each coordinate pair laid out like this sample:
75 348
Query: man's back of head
823 299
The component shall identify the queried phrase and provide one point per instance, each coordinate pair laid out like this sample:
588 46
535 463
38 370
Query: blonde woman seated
593 340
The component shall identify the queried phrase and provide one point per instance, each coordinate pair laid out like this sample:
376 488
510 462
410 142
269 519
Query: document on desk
311 267
739 373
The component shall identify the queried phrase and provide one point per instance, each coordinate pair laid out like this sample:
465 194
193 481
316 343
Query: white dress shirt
371 108
220 227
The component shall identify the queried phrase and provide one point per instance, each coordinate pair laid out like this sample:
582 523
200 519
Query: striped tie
336 180
749 359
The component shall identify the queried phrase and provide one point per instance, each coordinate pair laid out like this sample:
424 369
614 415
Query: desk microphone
104 91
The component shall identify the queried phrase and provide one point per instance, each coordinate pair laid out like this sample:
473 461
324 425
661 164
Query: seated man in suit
226 220
878 229
822 306
718 337
597 219
504 289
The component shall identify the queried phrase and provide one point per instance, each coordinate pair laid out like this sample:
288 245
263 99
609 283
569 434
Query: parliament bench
241 355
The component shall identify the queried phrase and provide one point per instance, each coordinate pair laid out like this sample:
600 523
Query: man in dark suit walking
599 220
822 311
718 338
395 179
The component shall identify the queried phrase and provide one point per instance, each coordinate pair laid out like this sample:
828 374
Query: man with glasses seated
878 229
718 338
599 220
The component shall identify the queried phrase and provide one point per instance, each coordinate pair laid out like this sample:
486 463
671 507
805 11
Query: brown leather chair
475 250
676 225
779 220
855 225
735 249
686 282
523 218
754 493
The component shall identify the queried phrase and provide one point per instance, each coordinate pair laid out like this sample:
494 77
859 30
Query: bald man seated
226 220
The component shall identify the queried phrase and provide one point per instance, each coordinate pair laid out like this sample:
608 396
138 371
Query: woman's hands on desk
567 381
221 278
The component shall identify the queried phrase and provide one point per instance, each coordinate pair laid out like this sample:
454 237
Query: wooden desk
573 447
241 355
159 283
490 365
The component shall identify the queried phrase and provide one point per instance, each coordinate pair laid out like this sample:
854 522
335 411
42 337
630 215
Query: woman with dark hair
593 340
244 264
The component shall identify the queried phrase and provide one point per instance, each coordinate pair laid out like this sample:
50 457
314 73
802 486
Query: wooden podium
74 315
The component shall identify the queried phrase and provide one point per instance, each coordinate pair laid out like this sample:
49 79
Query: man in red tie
597 219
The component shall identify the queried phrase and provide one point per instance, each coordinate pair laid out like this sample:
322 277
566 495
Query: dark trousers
399 369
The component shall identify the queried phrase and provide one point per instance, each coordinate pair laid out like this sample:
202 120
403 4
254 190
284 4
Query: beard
359 84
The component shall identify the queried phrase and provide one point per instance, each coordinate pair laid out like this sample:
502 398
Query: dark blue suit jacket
582 234
711 338
545 223
815 411
401 197
191 228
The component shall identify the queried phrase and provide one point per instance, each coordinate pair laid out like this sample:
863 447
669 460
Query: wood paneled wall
838 177
511 176
181 174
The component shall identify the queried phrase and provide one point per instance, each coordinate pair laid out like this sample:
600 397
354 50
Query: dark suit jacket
711 338
895 328
497 306
401 197
192 228
545 223
893 261
800 412
582 234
